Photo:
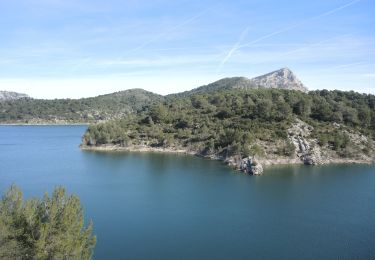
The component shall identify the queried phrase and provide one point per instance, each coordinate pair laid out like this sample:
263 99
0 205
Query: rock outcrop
247 165
251 166
306 149
256 169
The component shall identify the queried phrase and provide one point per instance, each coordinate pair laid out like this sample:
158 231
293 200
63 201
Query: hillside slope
273 125
83 110
16 108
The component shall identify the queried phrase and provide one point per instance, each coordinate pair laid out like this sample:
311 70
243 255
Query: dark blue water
155 206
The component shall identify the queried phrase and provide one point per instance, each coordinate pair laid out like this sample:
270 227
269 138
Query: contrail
338 8
235 47
300 23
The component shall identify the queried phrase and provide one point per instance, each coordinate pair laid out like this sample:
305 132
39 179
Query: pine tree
48 228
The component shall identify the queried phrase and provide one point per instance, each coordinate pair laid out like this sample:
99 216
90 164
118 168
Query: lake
162 206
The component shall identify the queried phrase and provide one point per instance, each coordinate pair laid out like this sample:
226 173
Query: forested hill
14 109
314 127
83 110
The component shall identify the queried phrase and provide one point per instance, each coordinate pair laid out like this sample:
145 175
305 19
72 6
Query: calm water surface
155 206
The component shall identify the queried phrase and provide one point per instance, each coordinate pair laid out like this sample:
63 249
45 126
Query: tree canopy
234 121
48 228
93 109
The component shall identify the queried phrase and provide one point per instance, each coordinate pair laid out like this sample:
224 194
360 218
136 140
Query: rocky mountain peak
283 78
286 73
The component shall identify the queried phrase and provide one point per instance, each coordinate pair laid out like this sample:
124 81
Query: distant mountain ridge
282 79
84 110
10 95
19 108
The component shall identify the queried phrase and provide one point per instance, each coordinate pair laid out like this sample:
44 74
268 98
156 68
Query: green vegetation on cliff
48 228
244 122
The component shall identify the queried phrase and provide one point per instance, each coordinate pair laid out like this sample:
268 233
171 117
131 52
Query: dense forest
94 109
245 122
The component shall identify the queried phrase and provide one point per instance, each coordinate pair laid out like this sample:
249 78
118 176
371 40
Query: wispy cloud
161 61
238 44
337 9
120 59
167 32
349 65
345 49
189 40
330 43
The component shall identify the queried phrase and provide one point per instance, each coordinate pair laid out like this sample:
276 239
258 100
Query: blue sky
76 48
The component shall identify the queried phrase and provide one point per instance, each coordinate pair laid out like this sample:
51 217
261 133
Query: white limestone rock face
313 157
283 79
307 149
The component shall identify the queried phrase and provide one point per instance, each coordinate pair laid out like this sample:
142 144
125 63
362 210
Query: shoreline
266 162
43 124
139 149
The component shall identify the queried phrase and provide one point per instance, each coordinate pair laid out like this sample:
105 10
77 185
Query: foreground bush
48 228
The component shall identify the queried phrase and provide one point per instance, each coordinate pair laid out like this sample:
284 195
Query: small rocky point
247 165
